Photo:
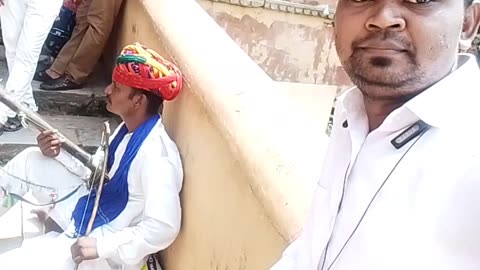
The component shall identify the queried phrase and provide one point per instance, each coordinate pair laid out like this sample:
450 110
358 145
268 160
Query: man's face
396 48
120 100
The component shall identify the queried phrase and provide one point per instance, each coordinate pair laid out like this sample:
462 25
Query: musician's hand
49 143
84 249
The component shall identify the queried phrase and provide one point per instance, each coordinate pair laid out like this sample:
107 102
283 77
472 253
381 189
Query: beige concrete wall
288 47
251 148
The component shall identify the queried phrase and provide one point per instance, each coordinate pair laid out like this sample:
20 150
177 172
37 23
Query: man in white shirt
25 27
139 211
400 188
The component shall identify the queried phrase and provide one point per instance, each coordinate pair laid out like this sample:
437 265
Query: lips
382 46
382 51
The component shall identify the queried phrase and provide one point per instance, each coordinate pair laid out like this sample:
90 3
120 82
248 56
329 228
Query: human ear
142 99
137 100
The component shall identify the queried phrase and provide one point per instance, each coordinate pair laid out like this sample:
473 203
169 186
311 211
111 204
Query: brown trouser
94 23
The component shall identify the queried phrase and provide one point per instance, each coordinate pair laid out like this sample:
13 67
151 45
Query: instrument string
91 185
32 183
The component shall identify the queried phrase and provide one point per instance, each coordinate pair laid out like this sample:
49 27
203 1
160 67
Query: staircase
78 114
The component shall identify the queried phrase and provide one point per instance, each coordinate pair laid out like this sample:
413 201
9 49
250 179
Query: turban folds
143 68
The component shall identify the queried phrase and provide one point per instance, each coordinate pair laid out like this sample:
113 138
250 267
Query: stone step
84 102
88 101
84 131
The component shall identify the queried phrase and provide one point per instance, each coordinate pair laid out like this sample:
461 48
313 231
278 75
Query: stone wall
290 40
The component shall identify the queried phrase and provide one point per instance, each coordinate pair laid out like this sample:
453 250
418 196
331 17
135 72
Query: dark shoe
62 83
13 124
42 76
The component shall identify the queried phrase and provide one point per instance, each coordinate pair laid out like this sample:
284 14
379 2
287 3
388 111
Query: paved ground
82 130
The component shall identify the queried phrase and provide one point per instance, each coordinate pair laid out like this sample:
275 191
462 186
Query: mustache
382 37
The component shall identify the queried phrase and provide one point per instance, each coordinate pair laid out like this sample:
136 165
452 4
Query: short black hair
468 3
154 102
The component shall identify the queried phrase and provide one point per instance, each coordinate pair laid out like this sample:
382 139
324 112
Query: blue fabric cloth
114 197
60 32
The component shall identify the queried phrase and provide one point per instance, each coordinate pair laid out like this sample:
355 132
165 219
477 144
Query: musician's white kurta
25 27
149 223
427 215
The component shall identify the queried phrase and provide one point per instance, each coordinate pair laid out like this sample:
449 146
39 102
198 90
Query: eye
418 1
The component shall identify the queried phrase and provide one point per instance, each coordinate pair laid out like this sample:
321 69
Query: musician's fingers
78 254
40 137
78 259
52 151
74 249
47 145
44 147
55 143
47 135
56 151
46 139
83 255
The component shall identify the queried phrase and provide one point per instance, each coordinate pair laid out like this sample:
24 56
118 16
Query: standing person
139 212
400 187
59 34
25 26
78 57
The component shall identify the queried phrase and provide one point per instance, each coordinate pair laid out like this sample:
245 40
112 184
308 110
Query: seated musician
139 211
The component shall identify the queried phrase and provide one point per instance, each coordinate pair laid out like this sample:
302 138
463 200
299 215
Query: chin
388 90
380 93
385 77
109 108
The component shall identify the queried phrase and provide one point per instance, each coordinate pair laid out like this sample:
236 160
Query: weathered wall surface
331 3
251 147
287 46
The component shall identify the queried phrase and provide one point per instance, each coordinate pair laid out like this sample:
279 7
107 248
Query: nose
108 89
386 17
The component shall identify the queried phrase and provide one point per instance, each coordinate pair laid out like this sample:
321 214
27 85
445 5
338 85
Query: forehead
420 7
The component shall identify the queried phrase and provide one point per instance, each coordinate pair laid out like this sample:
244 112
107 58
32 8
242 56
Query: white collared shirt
151 219
426 214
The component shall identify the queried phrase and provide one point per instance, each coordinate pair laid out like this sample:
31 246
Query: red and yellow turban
143 68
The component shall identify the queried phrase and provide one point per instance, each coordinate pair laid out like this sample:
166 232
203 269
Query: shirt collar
453 100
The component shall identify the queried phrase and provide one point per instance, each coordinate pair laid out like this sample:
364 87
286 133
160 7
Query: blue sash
114 196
